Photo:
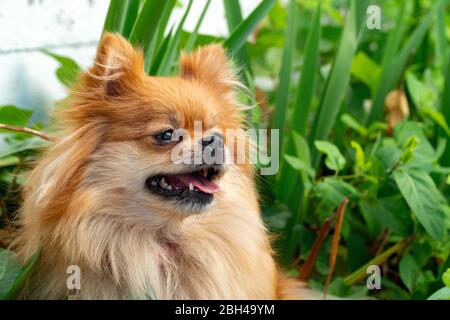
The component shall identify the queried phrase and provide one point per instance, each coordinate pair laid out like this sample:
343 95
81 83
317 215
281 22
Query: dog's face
162 141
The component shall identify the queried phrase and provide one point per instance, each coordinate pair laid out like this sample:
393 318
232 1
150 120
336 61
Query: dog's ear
210 66
117 66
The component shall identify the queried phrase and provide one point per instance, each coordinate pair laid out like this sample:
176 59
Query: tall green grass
145 23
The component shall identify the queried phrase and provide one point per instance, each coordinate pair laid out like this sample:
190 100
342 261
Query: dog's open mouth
198 186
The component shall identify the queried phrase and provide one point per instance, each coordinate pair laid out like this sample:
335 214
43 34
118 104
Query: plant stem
340 213
28 131
359 274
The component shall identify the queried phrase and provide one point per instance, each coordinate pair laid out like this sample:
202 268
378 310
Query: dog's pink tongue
200 182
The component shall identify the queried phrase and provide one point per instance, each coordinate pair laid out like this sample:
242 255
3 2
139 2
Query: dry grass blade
308 266
340 213
28 131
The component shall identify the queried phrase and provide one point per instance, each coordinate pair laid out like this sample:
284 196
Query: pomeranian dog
109 199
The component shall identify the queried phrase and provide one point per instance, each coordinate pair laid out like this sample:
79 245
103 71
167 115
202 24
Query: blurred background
67 27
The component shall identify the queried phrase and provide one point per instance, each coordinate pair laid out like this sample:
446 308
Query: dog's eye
165 136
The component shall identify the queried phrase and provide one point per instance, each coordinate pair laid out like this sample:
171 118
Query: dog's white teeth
205 172
163 183
191 187
169 187
154 183
196 189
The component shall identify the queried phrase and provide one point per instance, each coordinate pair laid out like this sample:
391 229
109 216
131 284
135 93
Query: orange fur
85 203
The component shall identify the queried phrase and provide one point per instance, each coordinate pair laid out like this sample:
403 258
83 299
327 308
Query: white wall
68 27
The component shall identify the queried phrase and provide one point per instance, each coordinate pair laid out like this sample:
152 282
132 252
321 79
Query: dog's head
160 143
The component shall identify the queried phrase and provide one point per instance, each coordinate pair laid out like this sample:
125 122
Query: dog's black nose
213 148
208 140
213 140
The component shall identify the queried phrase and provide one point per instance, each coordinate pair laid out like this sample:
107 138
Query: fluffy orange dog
109 199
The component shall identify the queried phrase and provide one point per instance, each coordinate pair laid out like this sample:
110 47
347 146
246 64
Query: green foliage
15 116
247 26
68 69
337 81
424 199
284 78
331 77
117 15
443 293
9 271
335 160
12 274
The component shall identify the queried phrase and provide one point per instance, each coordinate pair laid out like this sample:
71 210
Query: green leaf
284 77
441 294
171 53
299 165
391 212
408 271
441 38
328 194
233 15
161 54
445 109
301 148
22 145
239 36
302 105
14 116
158 41
437 117
337 82
409 150
131 15
352 123
446 277
193 36
360 66
9 161
167 12
334 158
288 176
421 94
9 271
146 24
424 200
360 163
116 16
388 153
21 277
357 251
306 85
410 135
68 69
